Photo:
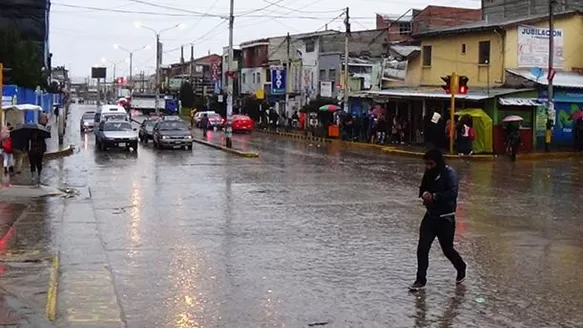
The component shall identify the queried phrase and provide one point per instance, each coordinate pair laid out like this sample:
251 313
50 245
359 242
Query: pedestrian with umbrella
35 135
513 138
8 153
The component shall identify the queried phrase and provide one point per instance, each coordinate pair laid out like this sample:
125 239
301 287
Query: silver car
116 134
87 121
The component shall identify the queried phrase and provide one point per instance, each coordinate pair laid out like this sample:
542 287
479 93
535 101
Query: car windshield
115 117
89 115
149 123
214 116
117 126
172 126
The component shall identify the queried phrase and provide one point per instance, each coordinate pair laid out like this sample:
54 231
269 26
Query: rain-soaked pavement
304 235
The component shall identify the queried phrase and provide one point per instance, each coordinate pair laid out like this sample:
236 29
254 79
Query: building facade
498 10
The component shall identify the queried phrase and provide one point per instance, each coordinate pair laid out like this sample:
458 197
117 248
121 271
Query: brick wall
435 17
255 56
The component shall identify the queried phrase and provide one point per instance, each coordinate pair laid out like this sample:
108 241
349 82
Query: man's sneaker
416 286
461 276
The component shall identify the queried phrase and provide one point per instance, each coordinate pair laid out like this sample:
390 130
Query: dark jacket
444 188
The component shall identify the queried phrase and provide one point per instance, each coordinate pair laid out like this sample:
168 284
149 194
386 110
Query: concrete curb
51 306
59 153
23 310
401 152
228 150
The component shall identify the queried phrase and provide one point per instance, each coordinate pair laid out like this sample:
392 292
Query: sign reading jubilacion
533 47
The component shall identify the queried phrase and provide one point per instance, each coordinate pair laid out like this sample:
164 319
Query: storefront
532 131
567 102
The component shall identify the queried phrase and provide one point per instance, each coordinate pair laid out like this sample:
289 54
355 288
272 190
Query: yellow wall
572 42
447 57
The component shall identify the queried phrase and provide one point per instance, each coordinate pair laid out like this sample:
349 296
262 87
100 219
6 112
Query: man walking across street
439 191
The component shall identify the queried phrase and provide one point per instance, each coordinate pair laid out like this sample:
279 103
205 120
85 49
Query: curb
228 150
51 306
401 152
59 153
34 319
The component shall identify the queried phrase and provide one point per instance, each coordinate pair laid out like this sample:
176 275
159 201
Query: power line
207 12
192 14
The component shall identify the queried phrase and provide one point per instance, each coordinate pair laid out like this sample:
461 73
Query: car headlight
188 137
165 137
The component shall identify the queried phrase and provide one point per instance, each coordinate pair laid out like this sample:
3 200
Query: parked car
242 123
146 132
198 116
112 134
174 134
216 121
87 122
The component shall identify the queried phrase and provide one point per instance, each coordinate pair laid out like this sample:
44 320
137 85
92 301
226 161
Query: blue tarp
28 96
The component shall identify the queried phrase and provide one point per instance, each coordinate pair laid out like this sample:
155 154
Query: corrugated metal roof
519 102
561 79
433 92
405 51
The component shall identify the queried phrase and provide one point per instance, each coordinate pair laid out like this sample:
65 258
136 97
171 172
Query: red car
242 123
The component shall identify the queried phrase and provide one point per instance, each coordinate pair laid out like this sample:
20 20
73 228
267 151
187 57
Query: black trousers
36 162
444 230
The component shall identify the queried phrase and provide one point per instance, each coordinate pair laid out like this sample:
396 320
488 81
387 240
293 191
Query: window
258 78
253 78
484 52
268 76
405 28
332 75
323 76
463 48
426 55
244 78
310 45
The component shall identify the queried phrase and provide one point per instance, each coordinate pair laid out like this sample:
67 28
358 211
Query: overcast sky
84 32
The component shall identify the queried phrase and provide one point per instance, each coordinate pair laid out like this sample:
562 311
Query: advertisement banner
278 80
326 89
394 70
533 47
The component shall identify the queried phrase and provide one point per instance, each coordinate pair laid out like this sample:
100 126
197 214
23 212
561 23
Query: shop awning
519 102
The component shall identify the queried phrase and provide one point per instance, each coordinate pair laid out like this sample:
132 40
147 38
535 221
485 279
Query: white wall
309 75
249 84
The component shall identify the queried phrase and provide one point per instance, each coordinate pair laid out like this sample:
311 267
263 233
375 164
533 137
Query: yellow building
483 51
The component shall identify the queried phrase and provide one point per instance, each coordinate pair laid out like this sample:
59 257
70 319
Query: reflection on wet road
309 234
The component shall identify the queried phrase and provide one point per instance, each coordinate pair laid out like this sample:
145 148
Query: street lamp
158 55
131 53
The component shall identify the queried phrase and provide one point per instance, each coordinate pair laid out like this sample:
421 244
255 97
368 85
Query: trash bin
333 131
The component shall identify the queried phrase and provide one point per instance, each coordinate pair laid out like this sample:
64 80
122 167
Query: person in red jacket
8 151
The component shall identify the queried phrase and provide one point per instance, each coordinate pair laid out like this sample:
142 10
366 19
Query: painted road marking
51 306
88 296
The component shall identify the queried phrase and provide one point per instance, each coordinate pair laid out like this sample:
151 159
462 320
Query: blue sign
278 78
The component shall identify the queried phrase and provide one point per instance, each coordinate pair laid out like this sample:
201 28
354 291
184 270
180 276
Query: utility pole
131 71
453 86
551 75
191 66
287 75
157 86
346 78
229 129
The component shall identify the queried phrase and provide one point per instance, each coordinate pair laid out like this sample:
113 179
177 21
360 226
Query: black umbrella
28 129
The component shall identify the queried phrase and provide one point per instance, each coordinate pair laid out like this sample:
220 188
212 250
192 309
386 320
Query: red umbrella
577 115
378 111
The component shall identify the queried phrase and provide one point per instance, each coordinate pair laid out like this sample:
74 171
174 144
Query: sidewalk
418 151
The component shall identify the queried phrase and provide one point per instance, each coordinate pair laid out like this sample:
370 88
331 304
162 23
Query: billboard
98 72
394 70
533 47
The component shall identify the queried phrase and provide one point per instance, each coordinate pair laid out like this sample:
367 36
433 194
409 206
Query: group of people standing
13 151
372 128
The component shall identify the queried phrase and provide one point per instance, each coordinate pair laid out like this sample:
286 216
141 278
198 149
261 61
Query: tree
22 58
186 95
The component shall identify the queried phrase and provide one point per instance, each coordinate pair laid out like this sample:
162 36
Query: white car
198 116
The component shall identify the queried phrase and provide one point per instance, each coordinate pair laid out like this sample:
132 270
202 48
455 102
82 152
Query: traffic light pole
453 90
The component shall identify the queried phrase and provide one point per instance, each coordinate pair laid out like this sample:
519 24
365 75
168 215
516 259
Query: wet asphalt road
307 234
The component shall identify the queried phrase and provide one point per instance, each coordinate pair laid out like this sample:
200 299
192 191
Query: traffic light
463 85
447 86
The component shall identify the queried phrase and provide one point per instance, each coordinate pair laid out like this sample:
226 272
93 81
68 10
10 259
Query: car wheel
189 147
